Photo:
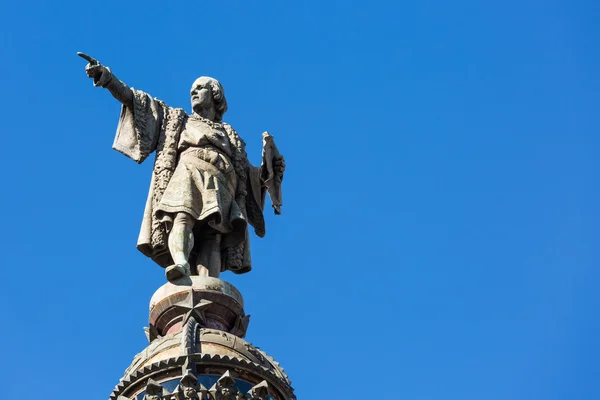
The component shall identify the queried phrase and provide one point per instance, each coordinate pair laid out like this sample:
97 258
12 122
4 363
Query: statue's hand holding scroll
279 166
273 166
97 71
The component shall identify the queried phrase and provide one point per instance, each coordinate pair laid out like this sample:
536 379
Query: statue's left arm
271 171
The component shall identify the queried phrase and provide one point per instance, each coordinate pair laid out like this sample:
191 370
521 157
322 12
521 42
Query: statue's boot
177 271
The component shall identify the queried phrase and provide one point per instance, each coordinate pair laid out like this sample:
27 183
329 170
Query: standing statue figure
203 191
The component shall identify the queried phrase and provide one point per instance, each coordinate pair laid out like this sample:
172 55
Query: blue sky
440 221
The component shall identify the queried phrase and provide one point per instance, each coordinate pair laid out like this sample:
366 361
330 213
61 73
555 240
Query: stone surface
189 388
204 191
198 283
215 303
214 353
196 326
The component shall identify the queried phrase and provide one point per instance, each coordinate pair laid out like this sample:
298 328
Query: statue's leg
209 255
181 242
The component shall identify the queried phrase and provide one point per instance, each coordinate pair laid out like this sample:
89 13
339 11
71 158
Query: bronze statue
204 191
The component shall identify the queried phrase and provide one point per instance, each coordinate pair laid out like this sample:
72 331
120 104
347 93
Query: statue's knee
183 219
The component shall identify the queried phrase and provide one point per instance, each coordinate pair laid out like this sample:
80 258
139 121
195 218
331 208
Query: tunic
201 168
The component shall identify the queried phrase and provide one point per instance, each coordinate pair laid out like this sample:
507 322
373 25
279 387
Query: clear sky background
439 236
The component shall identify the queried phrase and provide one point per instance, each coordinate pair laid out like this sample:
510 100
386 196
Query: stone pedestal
215 303
196 330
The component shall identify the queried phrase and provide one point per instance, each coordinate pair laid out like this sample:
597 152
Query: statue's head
207 92
189 387
154 391
227 389
260 391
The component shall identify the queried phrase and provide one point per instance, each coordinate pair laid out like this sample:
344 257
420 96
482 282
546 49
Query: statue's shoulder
175 111
234 138
227 127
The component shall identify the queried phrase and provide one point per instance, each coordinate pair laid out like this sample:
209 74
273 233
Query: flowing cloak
151 126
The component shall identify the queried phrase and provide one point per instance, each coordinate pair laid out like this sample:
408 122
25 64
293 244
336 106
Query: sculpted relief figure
204 192
225 388
190 389
154 391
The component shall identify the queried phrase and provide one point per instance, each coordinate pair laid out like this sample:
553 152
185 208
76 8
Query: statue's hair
218 96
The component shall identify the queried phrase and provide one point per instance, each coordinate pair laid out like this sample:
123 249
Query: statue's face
229 391
190 392
201 94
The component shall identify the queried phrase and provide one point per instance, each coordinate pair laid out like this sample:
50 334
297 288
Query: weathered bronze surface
204 191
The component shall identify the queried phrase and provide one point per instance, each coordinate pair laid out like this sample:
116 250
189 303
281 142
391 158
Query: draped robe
151 126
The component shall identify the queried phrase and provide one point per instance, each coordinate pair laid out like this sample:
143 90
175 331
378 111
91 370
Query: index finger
89 59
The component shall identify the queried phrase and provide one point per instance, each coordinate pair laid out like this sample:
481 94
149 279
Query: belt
211 155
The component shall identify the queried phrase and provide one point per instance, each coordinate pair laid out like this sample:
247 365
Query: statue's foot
177 271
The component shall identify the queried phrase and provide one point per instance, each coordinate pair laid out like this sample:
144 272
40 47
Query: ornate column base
196 349
216 304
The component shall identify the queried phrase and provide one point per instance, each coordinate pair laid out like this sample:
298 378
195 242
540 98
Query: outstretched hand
95 70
